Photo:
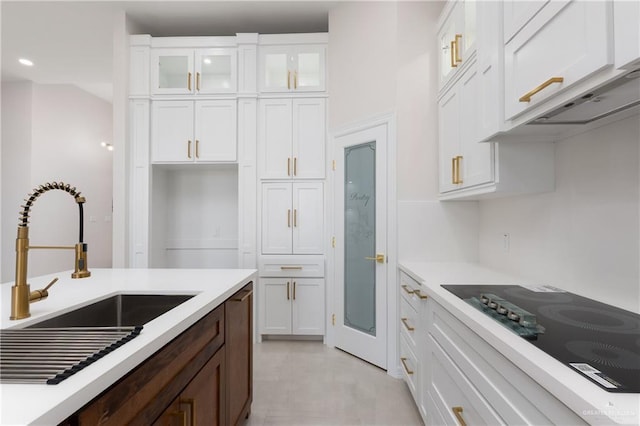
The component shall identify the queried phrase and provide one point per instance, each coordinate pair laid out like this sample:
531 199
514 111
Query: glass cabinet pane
308 70
173 72
215 72
276 70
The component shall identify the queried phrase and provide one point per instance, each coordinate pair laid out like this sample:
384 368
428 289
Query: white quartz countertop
51 404
595 405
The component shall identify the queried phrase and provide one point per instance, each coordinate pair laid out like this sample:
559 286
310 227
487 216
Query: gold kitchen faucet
21 296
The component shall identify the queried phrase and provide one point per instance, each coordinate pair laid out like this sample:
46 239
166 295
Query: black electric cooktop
598 341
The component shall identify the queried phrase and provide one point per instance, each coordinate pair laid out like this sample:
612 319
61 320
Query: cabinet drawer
409 322
455 397
291 266
410 367
410 291
513 394
583 33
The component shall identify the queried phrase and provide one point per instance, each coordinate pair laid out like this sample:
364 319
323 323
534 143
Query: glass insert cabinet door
172 71
360 238
216 70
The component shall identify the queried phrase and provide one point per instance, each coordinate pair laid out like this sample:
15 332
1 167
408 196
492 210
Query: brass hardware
453 61
198 81
288 298
404 321
333 319
192 409
288 268
453 170
458 39
294 290
406 288
404 364
295 166
457 411
21 296
289 80
527 96
295 218
288 166
288 218
333 166
379 258
243 298
295 79
333 242
456 170
189 81
189 149
197 148
420 295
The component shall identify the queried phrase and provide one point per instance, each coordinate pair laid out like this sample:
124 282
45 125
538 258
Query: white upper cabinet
183 71
456 38
291 138
562 44
193 131
292 68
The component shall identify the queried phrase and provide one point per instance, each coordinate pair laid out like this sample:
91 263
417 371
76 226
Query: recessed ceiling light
25 62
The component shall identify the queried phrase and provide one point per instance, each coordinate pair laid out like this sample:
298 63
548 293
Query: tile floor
307 383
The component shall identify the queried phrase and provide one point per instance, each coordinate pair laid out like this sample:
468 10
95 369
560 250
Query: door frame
387 120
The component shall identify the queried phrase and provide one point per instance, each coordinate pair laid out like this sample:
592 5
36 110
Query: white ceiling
71 42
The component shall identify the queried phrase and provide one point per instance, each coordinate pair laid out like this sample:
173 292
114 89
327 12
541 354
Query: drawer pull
420 295
527 96
294 290
189 149
289 268
288 294
452 52
458 180
458 40
404 364
406 288
453 171
457 411
404 321
243 298
189 81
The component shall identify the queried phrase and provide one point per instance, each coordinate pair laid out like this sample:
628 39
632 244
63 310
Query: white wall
59 141
584 237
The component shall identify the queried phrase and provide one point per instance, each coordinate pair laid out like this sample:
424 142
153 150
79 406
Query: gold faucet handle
43 293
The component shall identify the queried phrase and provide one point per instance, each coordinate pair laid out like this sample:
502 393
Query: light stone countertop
595 405
51 404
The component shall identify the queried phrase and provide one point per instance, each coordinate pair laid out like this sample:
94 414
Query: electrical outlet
506 242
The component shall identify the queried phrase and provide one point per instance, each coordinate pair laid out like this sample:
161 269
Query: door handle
379 258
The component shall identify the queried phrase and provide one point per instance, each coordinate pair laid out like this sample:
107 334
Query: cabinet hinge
333 319
333 165
333 242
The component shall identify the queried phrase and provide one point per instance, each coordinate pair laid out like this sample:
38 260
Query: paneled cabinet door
292 218
298 68
172 131
293 306
172 71
216 70
276 305
292 138
215 130
456 38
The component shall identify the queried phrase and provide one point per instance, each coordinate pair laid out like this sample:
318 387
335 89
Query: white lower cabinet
291 295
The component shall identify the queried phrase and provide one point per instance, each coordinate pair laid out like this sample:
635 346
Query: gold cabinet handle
243 298
288 298
288 218
295 79
457 411
295 218
458 179
289 80
458 40
192 409
189 149
453 170
288 166
406 288
294 290
527 96
379 258
189 81
198 81
404 321
404 364
295 166
452 53
420 295
285 268
197 148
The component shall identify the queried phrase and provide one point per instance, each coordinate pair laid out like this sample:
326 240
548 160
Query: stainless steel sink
117 311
